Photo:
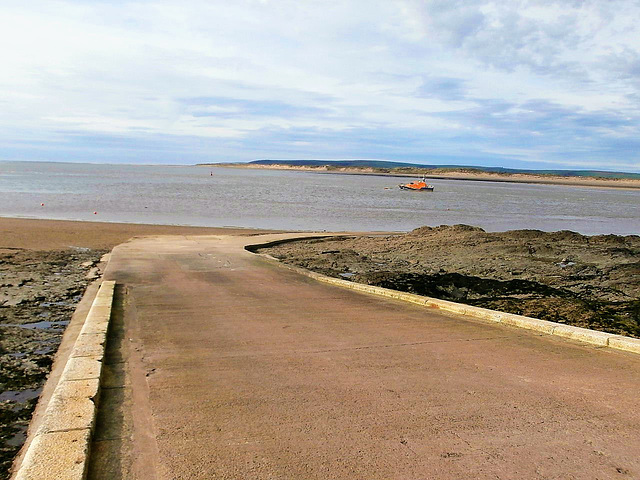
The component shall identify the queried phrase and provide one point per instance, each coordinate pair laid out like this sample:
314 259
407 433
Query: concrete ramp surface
222 365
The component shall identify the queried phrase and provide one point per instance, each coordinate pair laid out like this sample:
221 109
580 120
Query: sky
521 84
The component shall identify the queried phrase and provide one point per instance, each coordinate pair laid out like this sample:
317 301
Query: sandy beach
36 234
445 174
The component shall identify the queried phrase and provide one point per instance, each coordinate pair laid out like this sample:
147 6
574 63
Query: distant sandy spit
36 234
454 175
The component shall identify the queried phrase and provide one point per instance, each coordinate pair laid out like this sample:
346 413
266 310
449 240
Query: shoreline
46 234
625 184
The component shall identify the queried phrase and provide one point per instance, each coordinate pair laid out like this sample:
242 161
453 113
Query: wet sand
36 234
45 268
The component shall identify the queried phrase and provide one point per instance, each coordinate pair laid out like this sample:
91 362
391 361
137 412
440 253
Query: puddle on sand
40 325
347 274
20 396
57 304
18 438
39 351
565 264
42 351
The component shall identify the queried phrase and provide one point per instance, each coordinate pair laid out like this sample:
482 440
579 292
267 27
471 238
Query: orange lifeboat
421 185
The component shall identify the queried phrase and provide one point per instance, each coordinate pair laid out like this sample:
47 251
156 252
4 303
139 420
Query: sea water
299 200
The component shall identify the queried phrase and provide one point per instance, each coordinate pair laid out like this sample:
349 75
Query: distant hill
402 166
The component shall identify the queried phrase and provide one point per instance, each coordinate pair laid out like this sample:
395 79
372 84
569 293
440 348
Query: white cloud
430 67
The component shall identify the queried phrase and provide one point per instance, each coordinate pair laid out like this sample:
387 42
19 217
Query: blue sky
535 84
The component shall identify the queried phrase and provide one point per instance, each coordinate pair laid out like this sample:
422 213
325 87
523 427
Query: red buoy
42 204
95 213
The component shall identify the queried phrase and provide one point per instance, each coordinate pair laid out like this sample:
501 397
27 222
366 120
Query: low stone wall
60 448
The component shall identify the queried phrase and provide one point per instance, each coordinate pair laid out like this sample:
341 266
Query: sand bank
445 174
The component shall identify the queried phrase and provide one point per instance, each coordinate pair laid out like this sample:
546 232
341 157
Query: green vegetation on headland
401 168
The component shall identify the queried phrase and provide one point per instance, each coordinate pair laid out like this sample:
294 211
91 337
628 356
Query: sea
300 200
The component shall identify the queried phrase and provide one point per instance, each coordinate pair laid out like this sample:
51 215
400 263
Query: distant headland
590 178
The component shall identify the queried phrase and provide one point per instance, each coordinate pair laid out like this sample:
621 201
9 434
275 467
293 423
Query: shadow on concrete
112 437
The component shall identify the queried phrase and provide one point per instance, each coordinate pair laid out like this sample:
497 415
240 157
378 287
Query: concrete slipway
220 364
